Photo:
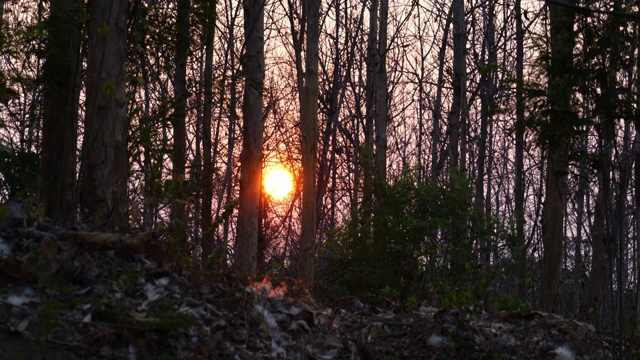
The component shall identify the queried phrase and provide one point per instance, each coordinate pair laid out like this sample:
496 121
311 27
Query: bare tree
207 163
309 128
178 121
246 246
519 187
458 107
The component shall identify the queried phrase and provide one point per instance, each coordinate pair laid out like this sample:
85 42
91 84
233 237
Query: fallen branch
107 241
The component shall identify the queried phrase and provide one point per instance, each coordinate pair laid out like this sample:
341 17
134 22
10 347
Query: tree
207 163
104 167
561 117
519 188
309 128
178 121
381 112
459 83
60 113
246 246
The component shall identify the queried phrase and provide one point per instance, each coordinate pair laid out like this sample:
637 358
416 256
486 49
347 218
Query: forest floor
70 295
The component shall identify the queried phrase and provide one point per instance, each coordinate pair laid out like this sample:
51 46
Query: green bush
421 237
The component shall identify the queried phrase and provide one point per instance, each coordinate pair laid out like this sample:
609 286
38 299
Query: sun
277 182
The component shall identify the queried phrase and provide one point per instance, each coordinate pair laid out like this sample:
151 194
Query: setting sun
277 182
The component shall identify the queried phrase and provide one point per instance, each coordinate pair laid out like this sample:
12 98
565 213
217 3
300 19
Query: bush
421 238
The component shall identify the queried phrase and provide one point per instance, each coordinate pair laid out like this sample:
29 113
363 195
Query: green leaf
103 29
109 88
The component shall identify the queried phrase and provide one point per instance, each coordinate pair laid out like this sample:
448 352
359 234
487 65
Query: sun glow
277 182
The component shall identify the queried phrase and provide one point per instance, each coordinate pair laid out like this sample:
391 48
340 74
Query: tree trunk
381 112
459 82
521 250
178 121
487 60
598 264
367 150
103 173
560 91
207 163
60 118
309 127
246 246
436 161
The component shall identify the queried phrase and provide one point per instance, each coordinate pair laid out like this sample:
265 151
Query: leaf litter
60 300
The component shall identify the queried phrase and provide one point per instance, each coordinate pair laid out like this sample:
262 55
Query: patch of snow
27 296
5 250
268 318
151 292
163 281
563 352
435 341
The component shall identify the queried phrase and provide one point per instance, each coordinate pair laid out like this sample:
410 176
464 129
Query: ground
78 295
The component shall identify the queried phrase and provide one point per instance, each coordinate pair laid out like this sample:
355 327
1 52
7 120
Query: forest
479 153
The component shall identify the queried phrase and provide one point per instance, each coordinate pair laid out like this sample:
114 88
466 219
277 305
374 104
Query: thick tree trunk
562 43
103 173
60 118
246 246
309 127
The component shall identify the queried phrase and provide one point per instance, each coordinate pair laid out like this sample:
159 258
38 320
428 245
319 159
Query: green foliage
506 302
164 314
103 29
19 173
422 246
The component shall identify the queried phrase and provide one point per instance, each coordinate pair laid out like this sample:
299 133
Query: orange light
277 182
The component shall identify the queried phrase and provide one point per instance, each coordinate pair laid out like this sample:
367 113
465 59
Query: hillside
65 297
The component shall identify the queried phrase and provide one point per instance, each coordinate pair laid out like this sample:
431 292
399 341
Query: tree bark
381 112
178 121
519 190
207 163
367 150
246 246
103 173
60 117
459 82
309 127
560 91
436 160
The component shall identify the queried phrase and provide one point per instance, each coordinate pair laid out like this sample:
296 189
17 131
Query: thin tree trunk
488 59
437 107
309 127
521 250
207 163
179 125
367 150
459 83
381 112
246 246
